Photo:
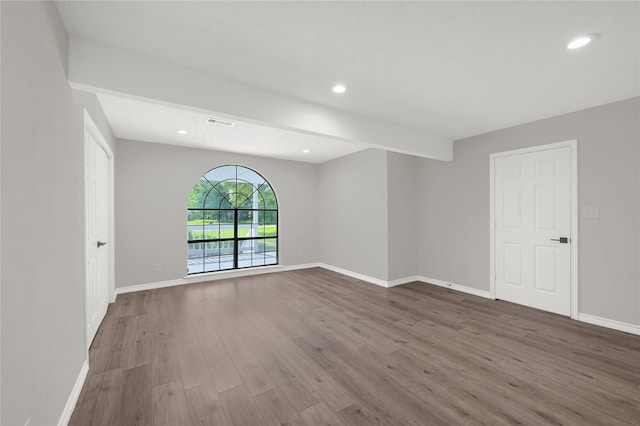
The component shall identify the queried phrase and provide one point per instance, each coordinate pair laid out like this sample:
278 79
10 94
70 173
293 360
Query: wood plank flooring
313 347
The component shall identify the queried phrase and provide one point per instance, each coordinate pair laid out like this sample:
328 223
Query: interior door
97 223
533 224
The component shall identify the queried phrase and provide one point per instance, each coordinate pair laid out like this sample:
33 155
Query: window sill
233 273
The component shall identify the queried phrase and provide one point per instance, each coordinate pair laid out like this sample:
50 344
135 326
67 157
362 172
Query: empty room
319 213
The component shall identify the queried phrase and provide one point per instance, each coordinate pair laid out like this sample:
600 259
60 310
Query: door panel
97 213
532 207
546 273
513 264
512 208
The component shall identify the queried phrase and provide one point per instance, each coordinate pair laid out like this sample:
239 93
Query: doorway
98 227
534 227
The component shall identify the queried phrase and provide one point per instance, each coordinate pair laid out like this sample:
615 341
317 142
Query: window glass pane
250 176
244 194
213 199
244 260
268 231
226 216
266 252
220 174
194 217
246 251
259 260
271 244
210 217
198 193
194 224
225 230
195 263
270 217
271 258
246 227
243 202
268 223
268 198
218 256
210 231
195 232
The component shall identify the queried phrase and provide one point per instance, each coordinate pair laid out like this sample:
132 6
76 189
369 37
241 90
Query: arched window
232 221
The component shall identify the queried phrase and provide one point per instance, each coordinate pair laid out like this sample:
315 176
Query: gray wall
336 213
352 214
89 101
454 206
42 218
402 207
153 183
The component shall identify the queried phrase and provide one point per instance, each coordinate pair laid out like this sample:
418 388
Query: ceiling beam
101 68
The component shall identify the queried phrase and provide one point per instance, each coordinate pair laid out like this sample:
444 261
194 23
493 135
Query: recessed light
339 88
182 132
306 151
582 41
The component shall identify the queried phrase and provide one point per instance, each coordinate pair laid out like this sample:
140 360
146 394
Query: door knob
101 243
561 240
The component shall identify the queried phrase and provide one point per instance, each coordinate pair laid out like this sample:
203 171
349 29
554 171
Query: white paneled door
532 213
97 233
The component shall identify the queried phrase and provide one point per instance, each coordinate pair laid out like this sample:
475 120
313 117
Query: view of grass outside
263 231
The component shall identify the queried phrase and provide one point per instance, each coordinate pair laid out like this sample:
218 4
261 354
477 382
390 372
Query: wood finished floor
313 347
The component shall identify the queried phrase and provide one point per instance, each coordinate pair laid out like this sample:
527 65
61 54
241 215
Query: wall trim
457 287
73 396
349 273
303 266
214 276
259 271
401 281
609 323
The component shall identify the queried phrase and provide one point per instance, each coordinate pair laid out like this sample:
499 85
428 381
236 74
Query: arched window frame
232 221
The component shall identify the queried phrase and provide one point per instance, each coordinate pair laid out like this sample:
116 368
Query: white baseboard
454 286
213 276
609 323
148 286
367 278
73 397
259 271
401 281
356 275
303 266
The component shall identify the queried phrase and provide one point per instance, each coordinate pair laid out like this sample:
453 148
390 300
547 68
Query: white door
532 211
97 223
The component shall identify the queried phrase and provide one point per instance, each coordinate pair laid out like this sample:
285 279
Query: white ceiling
145 121
455 69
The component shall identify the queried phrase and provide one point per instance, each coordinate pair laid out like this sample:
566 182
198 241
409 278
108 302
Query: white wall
402 174
42 217
352 213
454 206
153 183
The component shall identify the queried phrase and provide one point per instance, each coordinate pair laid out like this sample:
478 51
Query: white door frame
573 148
91 127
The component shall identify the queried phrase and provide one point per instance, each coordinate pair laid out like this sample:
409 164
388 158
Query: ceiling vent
220 122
